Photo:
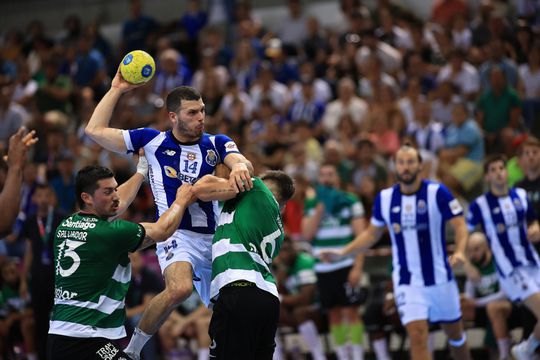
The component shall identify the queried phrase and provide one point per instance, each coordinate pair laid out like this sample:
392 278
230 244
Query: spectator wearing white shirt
293 29
427 133
323 92
390 57
463 75
374 77
444 102
529 88
346 103
461 34
267 87
392 34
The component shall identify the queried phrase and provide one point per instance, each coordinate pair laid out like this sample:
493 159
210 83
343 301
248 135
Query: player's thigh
418 331
444 302
412 304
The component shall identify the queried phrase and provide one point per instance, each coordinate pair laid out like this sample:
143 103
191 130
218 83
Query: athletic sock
356 331
278 352
532 344
339 334
203 354
309 332
504 348
357 352
341 352
380 347
137 342
431 342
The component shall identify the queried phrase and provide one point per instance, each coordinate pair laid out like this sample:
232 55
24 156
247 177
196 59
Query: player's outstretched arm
167 224
98 126
241 172
460 228
362 242
211 188
10 197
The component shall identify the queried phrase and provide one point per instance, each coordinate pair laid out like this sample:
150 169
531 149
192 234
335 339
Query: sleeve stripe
127 141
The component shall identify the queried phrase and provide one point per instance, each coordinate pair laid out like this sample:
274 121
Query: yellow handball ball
137 67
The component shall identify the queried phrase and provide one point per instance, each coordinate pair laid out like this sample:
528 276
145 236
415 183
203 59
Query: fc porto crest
191 156
211 157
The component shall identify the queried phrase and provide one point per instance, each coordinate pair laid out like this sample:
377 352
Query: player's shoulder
522 193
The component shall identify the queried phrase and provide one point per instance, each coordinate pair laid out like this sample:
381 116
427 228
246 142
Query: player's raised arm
98 126
210 188
167 224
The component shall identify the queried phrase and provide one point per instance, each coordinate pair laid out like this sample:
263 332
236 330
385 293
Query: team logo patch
517 204
455 207
191 156
396 209
170 172
211 157
396 227
230 146
497 210
501 228
169 152
421 207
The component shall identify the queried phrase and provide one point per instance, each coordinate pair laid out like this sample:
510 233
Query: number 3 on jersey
190 168
69 246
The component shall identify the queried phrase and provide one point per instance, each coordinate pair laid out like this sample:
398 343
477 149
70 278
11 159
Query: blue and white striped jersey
504 220
416 224
171 163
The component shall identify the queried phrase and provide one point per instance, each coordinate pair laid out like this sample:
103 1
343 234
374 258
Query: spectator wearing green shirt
498 111
54 89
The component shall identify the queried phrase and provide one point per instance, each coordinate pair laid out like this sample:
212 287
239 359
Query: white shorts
193 248
523 282
436 303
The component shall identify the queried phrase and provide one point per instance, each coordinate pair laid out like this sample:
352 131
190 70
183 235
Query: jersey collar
184 143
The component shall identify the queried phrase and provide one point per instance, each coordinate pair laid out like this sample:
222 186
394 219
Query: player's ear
173 117
87 198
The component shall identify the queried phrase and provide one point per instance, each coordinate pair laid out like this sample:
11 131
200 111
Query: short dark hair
531 141
284 182
175 97
492 159
409 145
87 180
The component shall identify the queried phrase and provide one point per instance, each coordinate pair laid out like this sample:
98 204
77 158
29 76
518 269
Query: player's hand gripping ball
137 67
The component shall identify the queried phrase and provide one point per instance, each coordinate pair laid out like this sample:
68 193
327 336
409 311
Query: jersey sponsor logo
211 157
230 146
455 207
79 224
396 209
191 156
496 210
172 173
107 352
421 207
61 294
169 152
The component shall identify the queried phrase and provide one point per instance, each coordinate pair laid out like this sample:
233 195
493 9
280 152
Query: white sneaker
521 352
133 356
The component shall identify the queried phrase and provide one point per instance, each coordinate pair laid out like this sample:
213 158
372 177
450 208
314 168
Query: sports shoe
521 352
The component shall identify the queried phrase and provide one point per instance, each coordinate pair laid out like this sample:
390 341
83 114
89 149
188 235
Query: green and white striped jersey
301 273
335 229
248 237
92 275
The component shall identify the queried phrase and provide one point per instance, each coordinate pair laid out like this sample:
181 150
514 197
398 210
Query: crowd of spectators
293 94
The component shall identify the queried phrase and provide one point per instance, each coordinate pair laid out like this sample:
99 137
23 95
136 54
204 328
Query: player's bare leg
457 340
418 335
178 286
